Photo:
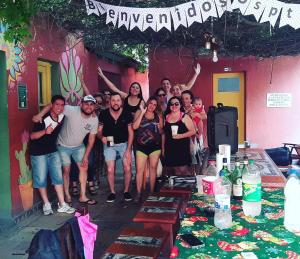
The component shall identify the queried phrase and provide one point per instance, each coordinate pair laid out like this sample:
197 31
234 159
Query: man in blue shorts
116 133
45 158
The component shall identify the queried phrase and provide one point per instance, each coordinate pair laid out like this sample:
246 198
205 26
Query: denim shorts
66 153
112 153
43 164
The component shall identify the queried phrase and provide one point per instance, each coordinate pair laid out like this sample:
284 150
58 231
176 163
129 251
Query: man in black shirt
45 158
116 133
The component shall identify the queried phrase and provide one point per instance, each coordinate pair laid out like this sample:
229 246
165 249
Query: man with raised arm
79 121
166 82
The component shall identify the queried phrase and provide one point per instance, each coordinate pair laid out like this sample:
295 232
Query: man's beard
116 109
86 113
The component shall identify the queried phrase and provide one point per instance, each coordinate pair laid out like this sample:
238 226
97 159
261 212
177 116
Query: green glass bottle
237 186
225 170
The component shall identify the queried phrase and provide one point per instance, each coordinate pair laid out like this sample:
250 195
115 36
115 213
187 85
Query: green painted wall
5 191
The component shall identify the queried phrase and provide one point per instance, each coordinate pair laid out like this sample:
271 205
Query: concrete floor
110 218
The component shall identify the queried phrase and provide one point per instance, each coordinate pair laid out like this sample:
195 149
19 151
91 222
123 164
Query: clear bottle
251 190
222 190
237 187
291 204
211 173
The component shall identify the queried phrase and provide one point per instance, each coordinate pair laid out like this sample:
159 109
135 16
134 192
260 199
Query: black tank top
177 151
130 108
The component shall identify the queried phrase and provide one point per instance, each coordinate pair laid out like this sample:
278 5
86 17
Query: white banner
164 19
271 12
208 8
124 17
91 7
241 4
178 16
222 6
192 13
256 7
195 11
290 15
112 14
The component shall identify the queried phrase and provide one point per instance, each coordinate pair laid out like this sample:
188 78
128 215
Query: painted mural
25 177
14 58
70 73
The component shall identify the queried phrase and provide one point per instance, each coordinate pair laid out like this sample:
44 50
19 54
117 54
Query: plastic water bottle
222 190
291 205
251 190
208 182
237 187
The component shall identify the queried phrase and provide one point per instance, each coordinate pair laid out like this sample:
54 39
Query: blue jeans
66 153
43 164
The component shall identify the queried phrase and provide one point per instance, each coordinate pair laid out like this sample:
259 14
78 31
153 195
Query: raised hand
49 130
100 72
197 69
143 108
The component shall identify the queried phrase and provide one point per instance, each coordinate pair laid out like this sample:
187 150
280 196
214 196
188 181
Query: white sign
279 100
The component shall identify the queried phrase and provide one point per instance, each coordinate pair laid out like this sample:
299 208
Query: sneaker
127 196
65 208
111 197
47 209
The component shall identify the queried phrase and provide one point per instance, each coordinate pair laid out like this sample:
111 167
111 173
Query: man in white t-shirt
79 121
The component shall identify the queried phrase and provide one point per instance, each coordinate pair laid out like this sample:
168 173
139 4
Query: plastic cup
110 141
208 184
199 183
174 129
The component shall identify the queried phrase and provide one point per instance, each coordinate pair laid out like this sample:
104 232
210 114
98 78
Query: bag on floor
281 155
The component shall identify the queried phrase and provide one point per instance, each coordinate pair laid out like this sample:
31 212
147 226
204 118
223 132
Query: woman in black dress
177 144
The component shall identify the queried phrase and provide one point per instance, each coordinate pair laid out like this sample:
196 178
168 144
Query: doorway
229 89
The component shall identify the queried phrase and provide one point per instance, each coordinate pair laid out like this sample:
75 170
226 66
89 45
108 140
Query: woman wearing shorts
148 124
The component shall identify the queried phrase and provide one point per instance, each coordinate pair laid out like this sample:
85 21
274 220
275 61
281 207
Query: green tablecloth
265 235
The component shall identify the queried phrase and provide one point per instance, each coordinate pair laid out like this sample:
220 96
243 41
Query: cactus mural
70 72
25 178
14 58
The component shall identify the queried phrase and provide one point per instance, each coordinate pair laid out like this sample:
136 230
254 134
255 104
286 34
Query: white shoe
47 209
65 208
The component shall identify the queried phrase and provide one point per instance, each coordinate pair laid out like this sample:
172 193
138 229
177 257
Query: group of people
166 129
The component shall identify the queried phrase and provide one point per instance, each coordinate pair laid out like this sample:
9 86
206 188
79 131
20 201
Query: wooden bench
148 243
164 217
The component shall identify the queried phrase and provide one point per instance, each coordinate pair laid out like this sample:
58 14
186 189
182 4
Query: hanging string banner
195 11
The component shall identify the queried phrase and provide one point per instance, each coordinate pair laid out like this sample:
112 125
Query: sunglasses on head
175 104
161 95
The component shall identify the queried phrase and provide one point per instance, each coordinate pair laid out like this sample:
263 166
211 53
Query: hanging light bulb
207 44
215 56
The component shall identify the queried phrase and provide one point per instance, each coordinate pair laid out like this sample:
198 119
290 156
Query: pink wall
268 127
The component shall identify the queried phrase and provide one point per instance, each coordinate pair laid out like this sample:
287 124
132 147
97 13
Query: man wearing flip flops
79 121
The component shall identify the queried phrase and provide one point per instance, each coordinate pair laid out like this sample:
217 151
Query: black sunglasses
161 95
107 93
176 104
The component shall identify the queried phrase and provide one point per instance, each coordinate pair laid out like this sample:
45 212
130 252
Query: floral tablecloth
265 236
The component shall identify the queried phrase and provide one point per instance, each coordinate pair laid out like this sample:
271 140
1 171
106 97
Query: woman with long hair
148 123
178 129
132 100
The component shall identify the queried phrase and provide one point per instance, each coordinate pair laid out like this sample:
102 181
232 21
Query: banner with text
195 11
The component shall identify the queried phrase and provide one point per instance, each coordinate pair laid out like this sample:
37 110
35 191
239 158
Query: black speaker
222 127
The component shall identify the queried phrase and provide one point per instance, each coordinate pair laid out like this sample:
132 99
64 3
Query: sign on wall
22 96
279 100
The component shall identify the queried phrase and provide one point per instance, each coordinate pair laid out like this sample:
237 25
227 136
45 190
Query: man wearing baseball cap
79 121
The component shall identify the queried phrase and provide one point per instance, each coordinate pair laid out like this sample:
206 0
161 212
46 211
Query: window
44 83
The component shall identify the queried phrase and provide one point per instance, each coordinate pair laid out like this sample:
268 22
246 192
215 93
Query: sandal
75 190
89 202
92 190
